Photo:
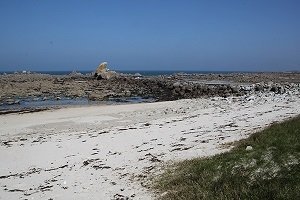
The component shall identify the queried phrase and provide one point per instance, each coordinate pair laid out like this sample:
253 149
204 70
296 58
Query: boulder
102 68
249 148
177 85
75 74
96 96
103 73
246 88
258 87
107 75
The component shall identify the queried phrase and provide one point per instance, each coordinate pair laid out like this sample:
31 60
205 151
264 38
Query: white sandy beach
105 152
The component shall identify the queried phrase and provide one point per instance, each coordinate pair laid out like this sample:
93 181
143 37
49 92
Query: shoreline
17 87
42 105
106 151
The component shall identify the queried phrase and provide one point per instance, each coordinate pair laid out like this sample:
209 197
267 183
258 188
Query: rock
127 93
58 81
249 148
11 101
235 89
161 88
17 101
258 87
147 124
137 75
101 68
273 88
96 96
176 85
226 94
246 88
113 183
133 195
107 75
103 73
75 73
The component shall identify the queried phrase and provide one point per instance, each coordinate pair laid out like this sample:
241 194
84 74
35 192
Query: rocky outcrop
102 68
165 89
102 72
15 87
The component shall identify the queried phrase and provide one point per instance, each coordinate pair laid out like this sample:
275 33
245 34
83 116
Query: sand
107 152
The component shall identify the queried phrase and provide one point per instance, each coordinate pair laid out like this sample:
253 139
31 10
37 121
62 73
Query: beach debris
152 158
7 143
147 124
101 166
95 164
31 171
180 148
87 162
120 197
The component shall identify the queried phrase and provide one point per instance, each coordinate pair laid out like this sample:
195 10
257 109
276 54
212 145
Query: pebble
249 148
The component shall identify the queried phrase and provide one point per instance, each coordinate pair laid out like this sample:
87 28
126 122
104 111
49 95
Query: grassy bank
271 170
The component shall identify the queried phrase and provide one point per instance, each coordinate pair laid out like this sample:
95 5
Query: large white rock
101 68
103 73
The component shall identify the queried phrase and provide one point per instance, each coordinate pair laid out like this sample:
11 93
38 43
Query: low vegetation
271 170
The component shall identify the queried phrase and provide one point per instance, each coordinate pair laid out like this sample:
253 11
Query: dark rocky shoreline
15 87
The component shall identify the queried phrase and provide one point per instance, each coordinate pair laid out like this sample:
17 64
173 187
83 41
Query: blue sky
252 35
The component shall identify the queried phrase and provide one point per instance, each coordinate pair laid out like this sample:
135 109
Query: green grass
270 171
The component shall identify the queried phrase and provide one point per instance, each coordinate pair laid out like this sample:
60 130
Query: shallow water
32 103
